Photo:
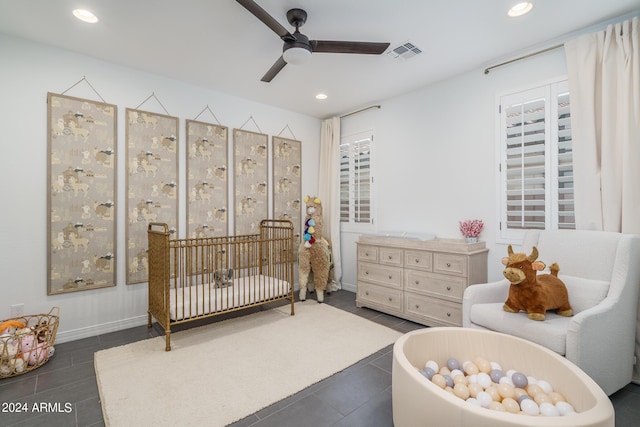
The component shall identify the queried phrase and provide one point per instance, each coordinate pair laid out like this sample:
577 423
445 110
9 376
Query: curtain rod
359 111
486 70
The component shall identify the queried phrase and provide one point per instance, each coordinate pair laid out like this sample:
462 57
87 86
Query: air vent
405 51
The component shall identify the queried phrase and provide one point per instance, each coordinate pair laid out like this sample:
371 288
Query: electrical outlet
17 310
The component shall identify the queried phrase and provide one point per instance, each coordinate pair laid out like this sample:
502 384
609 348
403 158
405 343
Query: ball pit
491 388
511 377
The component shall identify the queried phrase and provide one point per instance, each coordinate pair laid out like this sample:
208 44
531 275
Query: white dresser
419 280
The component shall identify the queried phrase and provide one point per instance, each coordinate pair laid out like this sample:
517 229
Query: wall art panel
207 184
152 183
81 194
287 181
251 187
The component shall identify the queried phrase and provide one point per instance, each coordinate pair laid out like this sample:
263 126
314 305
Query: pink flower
471 227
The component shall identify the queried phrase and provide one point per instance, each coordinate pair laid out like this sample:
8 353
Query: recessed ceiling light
520 9
85 15
321 96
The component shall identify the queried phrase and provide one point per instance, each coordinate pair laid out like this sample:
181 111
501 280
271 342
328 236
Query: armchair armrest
483 294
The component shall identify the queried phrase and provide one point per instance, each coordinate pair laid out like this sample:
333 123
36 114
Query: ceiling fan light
296 55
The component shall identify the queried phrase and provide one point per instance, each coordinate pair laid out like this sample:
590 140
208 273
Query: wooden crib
191 279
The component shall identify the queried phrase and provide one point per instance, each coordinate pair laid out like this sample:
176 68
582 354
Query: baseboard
349 287
105 328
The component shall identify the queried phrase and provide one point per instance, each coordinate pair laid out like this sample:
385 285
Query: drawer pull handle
417 282
448 288
390 277
417 261
417 306
366 272
448 264
390 257
448 314
366 293
390 299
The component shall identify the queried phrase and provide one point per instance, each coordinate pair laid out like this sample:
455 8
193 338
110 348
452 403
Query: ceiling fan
297 47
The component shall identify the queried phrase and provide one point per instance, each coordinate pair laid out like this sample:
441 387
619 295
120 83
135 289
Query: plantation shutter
355 178
536 161
565 210
526 136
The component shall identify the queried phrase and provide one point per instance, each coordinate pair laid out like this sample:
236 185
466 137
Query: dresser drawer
450 264
418 259
390 256
368 253
380 274
433 308
380 295
439 285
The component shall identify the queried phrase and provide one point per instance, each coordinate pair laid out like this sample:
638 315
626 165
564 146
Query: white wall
27 72
435 155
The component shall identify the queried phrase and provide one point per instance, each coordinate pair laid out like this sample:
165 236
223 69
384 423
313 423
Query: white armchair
602 274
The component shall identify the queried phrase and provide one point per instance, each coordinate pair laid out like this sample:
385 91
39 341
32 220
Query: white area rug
220 373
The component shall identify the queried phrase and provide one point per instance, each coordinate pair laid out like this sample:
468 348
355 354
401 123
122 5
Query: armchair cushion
550 333
584 293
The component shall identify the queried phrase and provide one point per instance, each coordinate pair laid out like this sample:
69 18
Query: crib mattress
199 300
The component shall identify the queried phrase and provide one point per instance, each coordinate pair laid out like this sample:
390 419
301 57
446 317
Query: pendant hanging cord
208 109
153 95
254 122
84 79
290 131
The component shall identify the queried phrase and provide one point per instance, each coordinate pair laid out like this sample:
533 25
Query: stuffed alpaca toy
313 253
532 292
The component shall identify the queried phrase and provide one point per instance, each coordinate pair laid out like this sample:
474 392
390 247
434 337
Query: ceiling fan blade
267 19
327 46
274 70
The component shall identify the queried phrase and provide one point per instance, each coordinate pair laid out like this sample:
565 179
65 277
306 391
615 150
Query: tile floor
359 396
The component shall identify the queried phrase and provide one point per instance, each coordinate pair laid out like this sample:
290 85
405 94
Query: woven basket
30 347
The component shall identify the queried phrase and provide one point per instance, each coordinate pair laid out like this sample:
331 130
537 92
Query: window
356 178
536 162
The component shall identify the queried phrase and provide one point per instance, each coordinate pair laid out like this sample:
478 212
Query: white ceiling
218 44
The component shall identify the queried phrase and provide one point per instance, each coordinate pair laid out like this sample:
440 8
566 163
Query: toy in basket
26 342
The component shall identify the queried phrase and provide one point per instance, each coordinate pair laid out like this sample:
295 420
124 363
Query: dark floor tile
89 412
376 412
355 389
310 411
14 388
72 374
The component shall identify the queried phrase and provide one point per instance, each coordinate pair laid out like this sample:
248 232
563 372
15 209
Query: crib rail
194 278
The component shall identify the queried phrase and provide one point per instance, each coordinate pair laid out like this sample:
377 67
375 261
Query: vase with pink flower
471 229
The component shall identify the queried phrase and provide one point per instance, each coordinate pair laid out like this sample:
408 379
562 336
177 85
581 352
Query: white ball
506 380
496 365
484 380
565 408
473 401
473 379
484 399
529 407
510 372
456 372
531 380
549 410
545 386
433 365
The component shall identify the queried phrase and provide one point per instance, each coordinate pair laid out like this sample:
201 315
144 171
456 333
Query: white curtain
604 82
329 191
604 85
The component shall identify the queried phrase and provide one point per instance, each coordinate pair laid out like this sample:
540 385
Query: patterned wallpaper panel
81 194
